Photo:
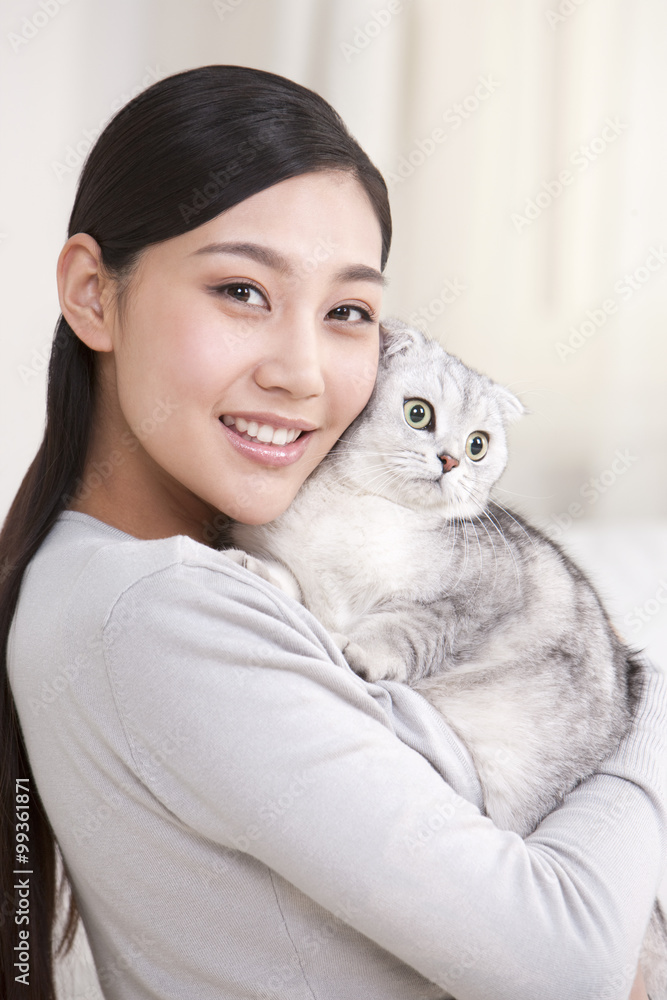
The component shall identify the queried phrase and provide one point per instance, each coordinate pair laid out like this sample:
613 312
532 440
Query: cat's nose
448 463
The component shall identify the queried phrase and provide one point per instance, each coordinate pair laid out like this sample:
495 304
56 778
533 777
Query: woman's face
236 336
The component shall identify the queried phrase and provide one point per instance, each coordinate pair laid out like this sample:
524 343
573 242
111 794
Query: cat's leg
380 662
268 569
340 640
401 642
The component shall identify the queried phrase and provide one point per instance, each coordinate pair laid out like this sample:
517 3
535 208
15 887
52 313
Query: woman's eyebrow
273 258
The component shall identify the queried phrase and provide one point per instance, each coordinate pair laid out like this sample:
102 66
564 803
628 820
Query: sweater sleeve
248 726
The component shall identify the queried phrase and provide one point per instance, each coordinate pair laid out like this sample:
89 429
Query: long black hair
178 154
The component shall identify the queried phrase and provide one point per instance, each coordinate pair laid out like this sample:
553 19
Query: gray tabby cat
395 545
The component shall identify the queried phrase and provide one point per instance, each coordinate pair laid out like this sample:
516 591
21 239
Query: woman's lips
267 454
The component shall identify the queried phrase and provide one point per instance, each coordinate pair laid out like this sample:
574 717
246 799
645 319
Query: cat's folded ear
511 408
397 336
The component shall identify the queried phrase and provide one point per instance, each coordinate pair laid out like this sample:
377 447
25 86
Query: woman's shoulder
86 574
93 594
100 563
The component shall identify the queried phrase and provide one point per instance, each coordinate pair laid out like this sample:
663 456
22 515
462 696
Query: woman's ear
84 291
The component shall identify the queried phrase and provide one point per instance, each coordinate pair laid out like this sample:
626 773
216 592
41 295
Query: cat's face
433 433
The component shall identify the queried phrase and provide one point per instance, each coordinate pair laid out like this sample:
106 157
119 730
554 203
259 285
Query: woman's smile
267 439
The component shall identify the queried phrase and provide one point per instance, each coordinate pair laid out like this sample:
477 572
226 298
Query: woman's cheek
359 382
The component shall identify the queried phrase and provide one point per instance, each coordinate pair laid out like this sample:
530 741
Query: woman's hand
639 989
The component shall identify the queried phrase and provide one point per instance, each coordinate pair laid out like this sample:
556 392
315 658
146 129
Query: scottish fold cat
397 546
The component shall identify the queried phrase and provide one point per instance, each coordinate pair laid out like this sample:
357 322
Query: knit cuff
642 754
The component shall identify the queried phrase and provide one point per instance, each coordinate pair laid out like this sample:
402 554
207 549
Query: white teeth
251 430
265 433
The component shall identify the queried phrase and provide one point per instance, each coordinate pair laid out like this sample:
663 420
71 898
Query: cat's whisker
450 525
390 460
518 523
381 479
475 495
352 449
495 554
467 522
525 496
460 523
470 491
494 522
452 533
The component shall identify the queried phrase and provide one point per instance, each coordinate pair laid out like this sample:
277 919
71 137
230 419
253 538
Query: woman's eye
345 313
477 445
419 414
242 293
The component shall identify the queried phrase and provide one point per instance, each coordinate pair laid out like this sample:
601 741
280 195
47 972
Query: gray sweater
244 817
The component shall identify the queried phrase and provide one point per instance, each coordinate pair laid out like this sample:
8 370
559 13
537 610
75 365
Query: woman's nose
294 363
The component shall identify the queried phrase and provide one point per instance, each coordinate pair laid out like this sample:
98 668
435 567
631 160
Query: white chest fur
351 553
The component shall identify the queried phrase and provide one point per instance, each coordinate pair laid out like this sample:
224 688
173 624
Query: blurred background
524 145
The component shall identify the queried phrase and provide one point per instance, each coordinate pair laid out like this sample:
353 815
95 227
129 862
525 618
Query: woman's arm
372 831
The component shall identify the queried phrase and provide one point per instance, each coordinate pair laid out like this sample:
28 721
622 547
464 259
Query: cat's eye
477 445
419 414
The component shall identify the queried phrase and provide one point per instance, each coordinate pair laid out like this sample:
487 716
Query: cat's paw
269 570
375 664
340 640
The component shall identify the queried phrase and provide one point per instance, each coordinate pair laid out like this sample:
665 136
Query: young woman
239 814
